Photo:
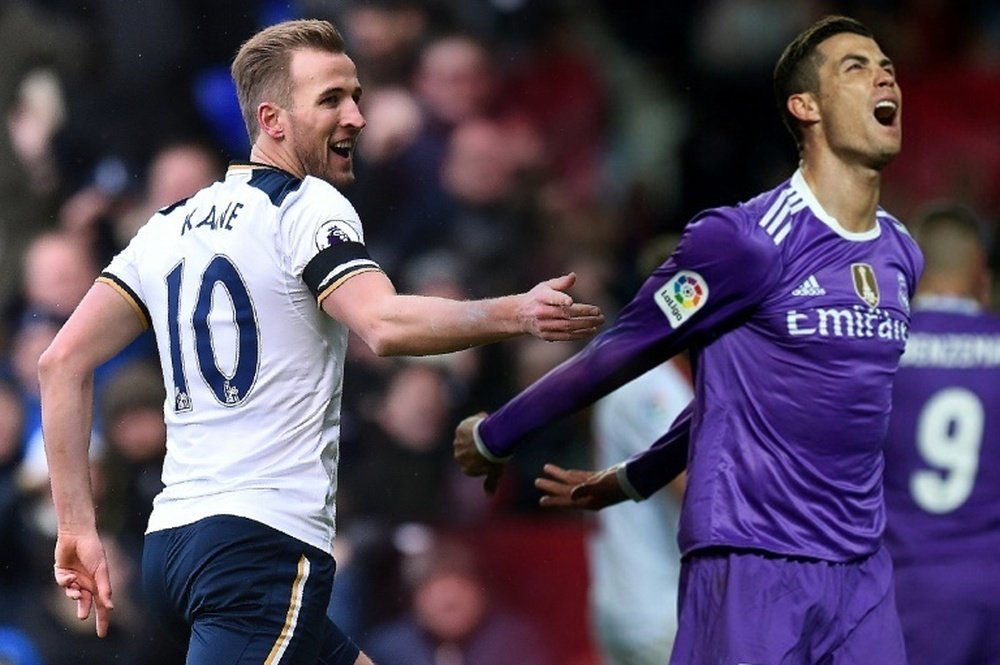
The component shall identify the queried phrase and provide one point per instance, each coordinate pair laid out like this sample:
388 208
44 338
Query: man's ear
270 120
803 107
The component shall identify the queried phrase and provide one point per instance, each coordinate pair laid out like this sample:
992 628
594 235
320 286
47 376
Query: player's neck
849 193
272 155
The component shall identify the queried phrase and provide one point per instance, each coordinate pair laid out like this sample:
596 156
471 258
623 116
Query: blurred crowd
507 141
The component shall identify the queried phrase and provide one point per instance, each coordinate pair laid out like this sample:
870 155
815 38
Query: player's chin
883 158
343 178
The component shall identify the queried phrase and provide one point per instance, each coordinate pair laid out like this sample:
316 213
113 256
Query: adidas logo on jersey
810 287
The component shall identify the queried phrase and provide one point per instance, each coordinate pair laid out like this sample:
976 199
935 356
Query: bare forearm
392 324
67 397
421 325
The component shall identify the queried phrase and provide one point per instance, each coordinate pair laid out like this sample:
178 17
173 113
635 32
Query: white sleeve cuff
624 483
481 447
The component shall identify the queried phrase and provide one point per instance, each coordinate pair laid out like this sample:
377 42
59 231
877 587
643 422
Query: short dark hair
798 67
945 216
261 67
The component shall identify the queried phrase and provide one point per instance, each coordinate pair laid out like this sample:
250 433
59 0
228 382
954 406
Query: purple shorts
950 612
740 607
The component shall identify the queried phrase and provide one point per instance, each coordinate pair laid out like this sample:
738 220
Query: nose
885 77
352 116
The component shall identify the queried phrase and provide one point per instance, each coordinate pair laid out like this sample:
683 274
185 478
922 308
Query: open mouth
885 112
343 148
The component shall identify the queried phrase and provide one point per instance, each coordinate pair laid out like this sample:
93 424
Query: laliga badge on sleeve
683 295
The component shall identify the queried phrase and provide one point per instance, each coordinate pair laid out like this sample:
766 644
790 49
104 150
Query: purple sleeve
650 470
720 271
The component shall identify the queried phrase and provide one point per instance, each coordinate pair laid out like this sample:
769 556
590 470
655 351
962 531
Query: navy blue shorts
240 592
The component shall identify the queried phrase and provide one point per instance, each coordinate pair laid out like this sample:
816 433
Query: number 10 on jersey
229 389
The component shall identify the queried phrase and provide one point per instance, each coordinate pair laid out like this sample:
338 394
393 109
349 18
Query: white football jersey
230 281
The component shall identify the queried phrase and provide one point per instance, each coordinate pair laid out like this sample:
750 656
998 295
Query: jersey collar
800 185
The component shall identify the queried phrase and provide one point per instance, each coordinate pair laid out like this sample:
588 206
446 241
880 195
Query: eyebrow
863 59
340 90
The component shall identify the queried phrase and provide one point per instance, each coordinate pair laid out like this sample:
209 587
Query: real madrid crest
865 284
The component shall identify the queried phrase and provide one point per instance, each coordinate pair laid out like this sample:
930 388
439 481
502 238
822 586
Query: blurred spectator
33 123
456 80
557 85
633 553
39 51
13 554
175 172
135 439
400 191
390 181
452 618
11 423
56 269
403 444
58 272
733 44
385 37
34 334
138 88
565 443
491 209
394 120
105 214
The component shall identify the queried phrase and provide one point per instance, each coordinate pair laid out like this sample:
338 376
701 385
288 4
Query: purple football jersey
942 476
795 328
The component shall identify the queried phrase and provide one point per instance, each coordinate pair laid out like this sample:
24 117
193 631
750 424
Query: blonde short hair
261 67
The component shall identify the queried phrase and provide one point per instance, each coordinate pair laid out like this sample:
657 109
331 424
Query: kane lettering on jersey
942 479
796 327
229 280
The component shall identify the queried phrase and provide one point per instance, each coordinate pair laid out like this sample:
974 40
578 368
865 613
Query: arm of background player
637 479
102 325
734 263
646 472
393 324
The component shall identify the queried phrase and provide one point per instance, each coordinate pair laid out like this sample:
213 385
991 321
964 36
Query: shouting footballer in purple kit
942 455
795 307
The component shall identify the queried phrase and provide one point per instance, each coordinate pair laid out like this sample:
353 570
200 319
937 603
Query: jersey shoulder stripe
896 224
275 183
777 220
129 295
166 210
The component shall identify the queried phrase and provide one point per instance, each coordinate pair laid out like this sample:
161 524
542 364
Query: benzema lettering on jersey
332 233
683 295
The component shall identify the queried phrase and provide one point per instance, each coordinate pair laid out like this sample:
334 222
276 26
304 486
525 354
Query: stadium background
507 140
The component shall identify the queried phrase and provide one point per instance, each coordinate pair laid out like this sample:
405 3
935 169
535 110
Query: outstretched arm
711 283
637 479
393 324
100 327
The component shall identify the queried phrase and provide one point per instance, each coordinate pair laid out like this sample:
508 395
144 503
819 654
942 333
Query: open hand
550 313
582 490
